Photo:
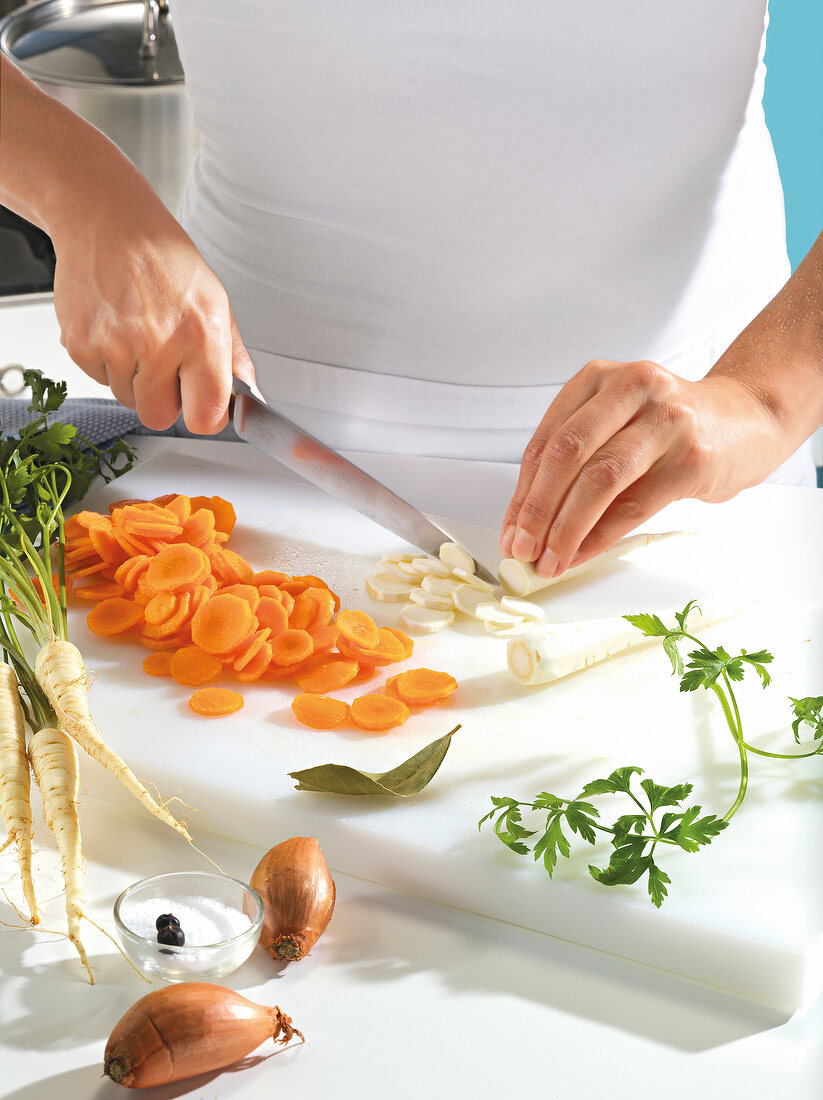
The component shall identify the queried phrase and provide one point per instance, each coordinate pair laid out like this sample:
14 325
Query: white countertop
400 998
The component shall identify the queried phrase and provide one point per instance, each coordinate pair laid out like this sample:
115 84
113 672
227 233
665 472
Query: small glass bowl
190 963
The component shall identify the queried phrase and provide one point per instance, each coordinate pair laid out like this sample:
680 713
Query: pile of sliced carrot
159 572
417 688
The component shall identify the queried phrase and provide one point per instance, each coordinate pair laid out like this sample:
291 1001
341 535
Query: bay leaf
408 778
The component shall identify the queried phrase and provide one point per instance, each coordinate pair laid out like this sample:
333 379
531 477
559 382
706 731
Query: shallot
298 892
188 1029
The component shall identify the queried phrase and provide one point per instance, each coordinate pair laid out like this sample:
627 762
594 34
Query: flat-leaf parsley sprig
636 837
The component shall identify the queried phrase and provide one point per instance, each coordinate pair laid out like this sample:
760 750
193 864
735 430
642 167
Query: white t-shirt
428 214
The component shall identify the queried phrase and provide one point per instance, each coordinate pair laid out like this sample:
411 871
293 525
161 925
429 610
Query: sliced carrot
272 613
325 638
157 664
275 593
177 565
318 582
130 572
176 621
199 596
293 587
291 646
230 567
101 569
405 641
313 608
105 544
390 686
364 672
172 641
123 503
378 712
160 607
214 702
222 623
73 529
114 616
388 650
86 518
319 711
248 650
99 590
198 529
246 592
255 668
359 628
162 501
181 506
193 666
268 576
327 673
224 514
423 687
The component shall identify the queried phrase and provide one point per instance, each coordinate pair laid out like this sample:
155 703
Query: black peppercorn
175 937
165 919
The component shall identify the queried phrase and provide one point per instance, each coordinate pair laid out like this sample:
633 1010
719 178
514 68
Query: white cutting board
745 914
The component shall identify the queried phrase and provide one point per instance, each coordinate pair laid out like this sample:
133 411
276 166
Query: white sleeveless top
428 214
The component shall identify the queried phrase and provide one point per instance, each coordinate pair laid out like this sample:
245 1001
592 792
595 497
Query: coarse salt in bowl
220 916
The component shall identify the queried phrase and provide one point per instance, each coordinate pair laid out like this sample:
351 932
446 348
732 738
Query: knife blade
269 431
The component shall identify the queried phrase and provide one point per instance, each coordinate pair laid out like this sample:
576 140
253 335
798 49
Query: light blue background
793 103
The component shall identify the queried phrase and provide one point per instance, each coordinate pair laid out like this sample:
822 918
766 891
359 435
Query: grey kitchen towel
98 420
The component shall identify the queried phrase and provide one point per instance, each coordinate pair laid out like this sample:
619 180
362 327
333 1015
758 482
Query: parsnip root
548 653
60 672
521 578
15 805
54 763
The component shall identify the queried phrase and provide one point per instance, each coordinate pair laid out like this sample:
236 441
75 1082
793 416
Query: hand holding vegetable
622 440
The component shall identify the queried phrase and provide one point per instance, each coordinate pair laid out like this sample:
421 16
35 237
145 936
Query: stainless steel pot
115 62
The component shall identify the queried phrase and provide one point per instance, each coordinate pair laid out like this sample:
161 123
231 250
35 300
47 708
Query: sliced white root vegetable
431 566
467 598
440 586
526 608
425 620
455 556
521 578
394 570
410 571
390 589
547 653
476 582
509 631
429 599
492 612
394 557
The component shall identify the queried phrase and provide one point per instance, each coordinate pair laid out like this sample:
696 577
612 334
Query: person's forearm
53 164
779 356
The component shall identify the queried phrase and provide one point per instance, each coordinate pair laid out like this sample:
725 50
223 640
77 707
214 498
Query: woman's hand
140 311
622 440
138 307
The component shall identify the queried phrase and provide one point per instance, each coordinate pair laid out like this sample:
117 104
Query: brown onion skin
298 893
187 1029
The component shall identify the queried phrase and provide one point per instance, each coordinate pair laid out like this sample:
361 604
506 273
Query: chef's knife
270 432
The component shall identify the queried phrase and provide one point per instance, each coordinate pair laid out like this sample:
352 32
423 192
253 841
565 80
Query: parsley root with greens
41 470
663 818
